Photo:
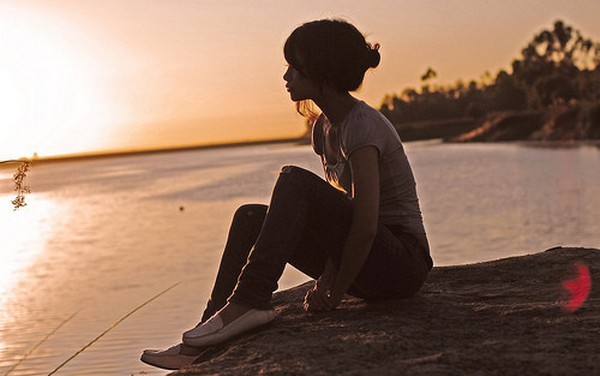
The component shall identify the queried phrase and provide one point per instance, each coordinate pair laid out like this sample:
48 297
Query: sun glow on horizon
94 76
50 95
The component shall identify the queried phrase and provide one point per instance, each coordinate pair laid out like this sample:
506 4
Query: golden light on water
24 234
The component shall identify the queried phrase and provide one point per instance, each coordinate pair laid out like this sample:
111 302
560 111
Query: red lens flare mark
578 288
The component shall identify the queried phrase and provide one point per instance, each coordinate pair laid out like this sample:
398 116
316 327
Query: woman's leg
243 232
249 306
396 267
301 201
307 223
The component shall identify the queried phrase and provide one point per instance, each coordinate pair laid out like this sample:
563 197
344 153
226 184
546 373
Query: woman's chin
296 98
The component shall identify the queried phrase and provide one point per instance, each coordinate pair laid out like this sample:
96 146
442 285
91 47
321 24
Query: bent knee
250 210
290 169
298 176
295 170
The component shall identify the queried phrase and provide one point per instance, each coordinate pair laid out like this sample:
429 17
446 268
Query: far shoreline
299 141
146 151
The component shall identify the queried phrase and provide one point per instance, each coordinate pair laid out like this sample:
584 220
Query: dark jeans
306 223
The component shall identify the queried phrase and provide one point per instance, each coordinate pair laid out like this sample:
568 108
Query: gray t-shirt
365 126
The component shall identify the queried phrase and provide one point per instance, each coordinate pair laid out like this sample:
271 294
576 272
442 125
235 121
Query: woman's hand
314 302
320 298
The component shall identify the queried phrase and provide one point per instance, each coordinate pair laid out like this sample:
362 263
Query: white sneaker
172 358
213 331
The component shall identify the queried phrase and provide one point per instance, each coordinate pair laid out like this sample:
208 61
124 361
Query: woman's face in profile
300 86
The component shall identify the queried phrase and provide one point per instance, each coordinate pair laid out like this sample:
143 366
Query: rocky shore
559 123
504 317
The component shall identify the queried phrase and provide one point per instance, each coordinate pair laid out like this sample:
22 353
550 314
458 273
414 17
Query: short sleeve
363 129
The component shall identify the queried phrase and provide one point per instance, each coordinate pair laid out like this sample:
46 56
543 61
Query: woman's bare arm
365 191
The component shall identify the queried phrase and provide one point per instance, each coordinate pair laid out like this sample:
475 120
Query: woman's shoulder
363 114
365 118
367 126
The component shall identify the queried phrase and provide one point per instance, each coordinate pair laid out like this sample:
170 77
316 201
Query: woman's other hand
319 298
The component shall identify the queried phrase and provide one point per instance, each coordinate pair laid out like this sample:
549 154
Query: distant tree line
558 66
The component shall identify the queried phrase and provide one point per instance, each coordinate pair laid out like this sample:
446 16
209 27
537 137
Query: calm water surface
100 237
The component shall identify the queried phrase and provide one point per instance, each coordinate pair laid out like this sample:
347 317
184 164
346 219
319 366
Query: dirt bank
496 318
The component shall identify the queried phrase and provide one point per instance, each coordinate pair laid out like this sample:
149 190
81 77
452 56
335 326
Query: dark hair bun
331 52
373 57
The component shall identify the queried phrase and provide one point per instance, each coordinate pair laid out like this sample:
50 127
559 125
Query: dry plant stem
18 179
39 344
21 189
113 326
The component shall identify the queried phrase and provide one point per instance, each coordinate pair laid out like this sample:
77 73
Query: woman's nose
286 74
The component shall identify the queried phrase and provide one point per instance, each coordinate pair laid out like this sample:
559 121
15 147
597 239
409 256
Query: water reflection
24 234
102 236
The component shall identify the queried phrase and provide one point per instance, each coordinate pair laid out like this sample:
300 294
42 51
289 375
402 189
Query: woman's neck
335 105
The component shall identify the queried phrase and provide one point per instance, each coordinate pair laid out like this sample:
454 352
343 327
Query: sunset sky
96 75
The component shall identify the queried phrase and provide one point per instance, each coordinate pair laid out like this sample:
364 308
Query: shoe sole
220 338
156 363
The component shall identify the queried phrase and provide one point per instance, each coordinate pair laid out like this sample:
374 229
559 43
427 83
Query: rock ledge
502 317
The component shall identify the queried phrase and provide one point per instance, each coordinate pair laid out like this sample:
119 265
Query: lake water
100 237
